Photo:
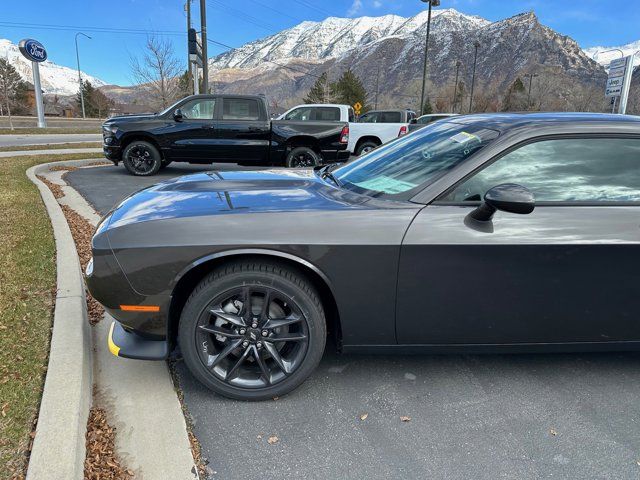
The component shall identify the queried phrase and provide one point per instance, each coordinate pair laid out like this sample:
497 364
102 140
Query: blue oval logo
33 50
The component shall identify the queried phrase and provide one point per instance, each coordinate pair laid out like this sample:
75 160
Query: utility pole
476 44
455 88
531 77
187 7
431 3
205 57
375 107
79 76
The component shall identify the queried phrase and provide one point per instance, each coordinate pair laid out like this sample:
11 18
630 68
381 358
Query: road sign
357 107
35 51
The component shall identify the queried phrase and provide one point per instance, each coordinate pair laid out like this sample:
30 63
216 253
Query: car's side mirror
508 197
413 120
177 115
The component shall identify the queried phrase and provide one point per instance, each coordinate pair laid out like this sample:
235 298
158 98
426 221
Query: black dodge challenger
483 233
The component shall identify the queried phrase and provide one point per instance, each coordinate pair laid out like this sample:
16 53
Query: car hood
236 193
131 118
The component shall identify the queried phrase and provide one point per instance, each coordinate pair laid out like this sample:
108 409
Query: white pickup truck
370 131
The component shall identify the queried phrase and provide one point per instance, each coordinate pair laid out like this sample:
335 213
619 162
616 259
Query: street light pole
531 77
205 57
79 76
431 3
455 88
476 44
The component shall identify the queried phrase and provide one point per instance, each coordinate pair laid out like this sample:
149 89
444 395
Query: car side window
299 114
369 118
352 115
390 117
240 109
198 109
326 114
563 170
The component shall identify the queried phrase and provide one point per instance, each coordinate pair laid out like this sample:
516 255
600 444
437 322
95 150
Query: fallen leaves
272 440
553 432
364 416
404 418
101 462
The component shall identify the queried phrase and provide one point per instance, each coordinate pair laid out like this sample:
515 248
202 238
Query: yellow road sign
357 106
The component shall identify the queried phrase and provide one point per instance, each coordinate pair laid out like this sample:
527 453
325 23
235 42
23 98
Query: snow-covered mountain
387 54
334 37
55 79
612 52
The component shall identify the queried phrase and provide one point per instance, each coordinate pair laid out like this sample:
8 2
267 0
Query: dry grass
53 146
48 130
27 277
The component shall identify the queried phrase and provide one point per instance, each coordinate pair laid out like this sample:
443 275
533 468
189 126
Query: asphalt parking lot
471 417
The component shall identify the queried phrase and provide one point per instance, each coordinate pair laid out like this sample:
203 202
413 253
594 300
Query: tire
302 157
240 374
141 159
165 164
366 147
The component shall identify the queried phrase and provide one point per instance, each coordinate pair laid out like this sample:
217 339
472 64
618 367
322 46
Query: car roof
321 105
507 121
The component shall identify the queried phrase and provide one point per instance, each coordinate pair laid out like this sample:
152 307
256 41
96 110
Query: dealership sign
33 50
619 81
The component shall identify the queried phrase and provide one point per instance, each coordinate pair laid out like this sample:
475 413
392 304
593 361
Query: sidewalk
60 151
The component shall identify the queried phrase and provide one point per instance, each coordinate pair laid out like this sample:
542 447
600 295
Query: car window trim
529 141
261 112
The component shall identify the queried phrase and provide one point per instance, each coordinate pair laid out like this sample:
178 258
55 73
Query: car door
244 131
567 272
193 134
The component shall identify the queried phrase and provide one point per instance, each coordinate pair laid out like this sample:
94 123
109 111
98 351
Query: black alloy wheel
255 338
302 157
366 147
142 159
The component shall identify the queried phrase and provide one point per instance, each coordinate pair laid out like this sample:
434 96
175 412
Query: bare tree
158 69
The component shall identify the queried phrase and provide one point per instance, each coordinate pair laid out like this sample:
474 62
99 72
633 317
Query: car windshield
399 169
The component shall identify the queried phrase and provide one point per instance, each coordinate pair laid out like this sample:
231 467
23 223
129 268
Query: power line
246 17
279 12
73 28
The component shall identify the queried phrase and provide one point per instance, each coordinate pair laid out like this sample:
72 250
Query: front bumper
128 344
112 152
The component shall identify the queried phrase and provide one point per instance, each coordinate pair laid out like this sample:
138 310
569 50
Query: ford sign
33 50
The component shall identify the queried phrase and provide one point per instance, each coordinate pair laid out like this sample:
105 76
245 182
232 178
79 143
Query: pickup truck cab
204 129
370 131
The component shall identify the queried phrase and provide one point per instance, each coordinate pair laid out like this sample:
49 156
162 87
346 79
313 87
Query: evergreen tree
515 98
10 84
460 93
349 90
96 103
321 92
185 87
427 108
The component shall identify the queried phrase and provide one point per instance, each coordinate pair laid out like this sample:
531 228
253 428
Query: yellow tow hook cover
113 348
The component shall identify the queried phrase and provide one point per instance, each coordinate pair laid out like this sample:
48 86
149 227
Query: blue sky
590 22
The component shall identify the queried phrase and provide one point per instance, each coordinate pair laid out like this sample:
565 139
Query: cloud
377 3
356 7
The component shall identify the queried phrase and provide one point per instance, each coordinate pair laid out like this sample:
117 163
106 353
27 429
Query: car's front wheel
252 330
141 159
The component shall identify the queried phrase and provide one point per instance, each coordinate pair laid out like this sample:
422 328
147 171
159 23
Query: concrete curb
59 444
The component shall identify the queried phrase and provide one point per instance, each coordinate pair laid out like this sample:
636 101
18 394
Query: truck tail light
403 131
344 135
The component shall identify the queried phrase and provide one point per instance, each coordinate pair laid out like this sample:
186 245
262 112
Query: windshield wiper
325 172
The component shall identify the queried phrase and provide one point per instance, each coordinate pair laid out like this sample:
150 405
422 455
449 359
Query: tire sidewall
297 151
155 154
212 287
364 145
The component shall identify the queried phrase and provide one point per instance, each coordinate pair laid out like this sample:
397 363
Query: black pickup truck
220 128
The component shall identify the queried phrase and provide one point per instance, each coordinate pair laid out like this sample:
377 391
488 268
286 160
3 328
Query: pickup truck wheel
141 159
302 157
366 147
